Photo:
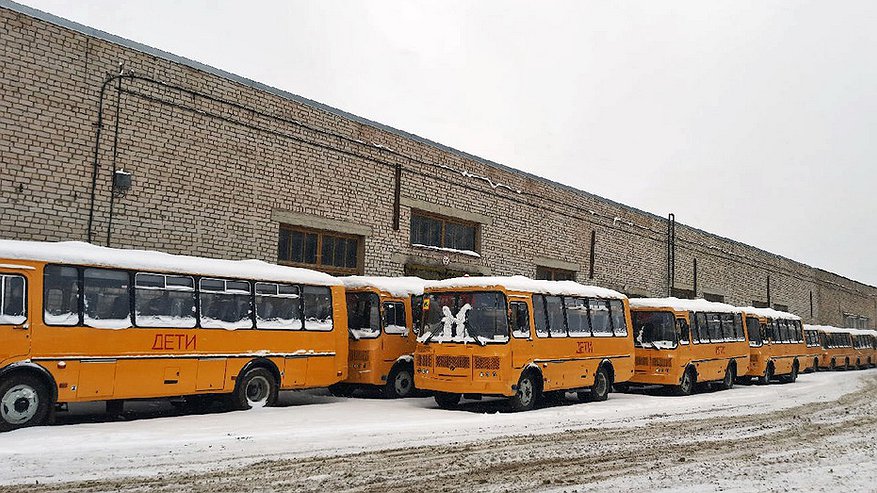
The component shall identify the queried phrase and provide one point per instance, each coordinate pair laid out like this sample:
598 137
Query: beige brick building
222 166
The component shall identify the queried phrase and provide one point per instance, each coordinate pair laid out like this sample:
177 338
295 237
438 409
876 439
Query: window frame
396 308
3 276
444 220
553 272
195 295
513 321
321 233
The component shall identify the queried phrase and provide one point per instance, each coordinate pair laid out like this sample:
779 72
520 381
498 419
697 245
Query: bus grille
359 355
446 361
642 361
424 360
486 363
662 362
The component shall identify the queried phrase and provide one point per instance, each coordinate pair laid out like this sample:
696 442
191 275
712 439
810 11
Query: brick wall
213 160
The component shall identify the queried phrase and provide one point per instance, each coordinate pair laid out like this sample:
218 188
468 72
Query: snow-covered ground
313 423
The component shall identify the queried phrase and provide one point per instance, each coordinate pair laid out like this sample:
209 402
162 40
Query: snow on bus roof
681 305
521 283
828 328
770 313
79 253
395 286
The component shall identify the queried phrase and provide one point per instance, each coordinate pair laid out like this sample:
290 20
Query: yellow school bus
814 349
776 345
683 342
837 347
381 315
520 338
863 342
86 323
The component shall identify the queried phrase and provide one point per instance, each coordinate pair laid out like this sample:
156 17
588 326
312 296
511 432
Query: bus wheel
526 395
846 364
600 390
686 385
730 377
400 383
446 400
341 389
858 364
257 388
24 401
768 375
815 365
833 365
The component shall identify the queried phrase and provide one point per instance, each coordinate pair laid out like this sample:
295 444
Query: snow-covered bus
814 349
776 345
86 323
521 338
381 316
683 342
864 343
837 347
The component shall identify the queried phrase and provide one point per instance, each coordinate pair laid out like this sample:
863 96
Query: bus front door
14 321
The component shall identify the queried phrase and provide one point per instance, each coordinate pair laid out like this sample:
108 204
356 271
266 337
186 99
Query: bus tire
858 364
730 377
341 389
600 390
447 400
768 374
24 401
529 390
846 364
256 388
833 365
815 365
400 382
686 384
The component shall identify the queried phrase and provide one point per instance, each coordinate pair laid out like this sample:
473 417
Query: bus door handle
21 327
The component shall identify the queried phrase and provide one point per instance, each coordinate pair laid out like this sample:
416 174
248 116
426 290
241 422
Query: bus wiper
476 339
425 340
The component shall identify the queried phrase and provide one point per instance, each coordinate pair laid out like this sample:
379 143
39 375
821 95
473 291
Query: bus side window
417 312
539 315
12 300
394 318
317 302
682 331
619 322
520 315
107 299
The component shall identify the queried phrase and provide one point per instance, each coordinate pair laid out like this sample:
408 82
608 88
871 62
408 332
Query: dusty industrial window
717 298
433 230
331 252
685 294
554 274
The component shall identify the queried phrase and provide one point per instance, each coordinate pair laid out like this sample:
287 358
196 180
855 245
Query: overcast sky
754 120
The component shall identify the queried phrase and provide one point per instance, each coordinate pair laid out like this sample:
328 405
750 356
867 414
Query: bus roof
395 286
79 253
770 313
525 284
681 305
828 328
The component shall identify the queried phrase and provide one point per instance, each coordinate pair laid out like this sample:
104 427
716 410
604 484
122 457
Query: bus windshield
479 317
363 315
654 330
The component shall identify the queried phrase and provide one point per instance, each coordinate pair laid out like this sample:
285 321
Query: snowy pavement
315 424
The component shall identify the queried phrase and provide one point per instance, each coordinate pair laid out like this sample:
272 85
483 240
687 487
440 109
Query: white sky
750 119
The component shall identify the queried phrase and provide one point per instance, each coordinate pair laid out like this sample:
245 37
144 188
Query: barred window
429 229
331 252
